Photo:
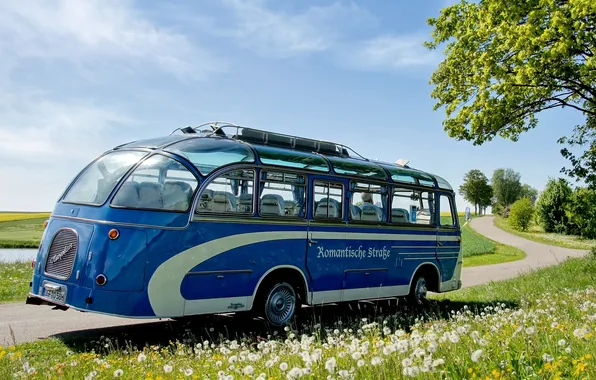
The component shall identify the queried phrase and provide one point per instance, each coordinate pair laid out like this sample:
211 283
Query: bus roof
209 149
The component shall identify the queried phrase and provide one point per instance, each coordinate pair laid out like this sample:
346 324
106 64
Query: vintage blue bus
221 218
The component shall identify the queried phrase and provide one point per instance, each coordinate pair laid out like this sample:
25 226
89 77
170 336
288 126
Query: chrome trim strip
207 272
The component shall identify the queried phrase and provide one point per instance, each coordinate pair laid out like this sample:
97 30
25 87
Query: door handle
313 241
439 243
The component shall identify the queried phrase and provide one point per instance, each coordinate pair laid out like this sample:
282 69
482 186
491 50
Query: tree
507 187
508 61
521 214
551 205
581 213
529 192
475 188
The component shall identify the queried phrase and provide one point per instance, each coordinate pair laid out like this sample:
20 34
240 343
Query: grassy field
14 281
540 325
480 250
537 234
21 233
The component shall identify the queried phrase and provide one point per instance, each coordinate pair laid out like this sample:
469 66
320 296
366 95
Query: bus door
326 239
448 236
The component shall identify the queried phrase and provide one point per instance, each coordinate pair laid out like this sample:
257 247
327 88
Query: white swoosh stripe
164 286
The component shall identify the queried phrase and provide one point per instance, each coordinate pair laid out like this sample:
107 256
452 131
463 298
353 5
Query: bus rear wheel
279 304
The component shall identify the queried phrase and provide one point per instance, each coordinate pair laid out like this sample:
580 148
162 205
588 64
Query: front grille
61 254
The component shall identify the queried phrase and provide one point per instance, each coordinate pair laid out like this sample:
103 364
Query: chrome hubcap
281 304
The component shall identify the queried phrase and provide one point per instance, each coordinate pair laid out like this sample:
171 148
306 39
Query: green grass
480 250
14 281
539 325
537 234
23 233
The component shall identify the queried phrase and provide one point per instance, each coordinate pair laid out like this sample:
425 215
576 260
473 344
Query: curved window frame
198 214
143 154
131 173
264 150
341 167
175 148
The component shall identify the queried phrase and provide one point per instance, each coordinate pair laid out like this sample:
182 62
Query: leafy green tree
486 198
520 216
581 213
528 191
551 205
475 188
507 187
508 61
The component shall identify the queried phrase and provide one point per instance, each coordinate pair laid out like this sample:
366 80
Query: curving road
23 323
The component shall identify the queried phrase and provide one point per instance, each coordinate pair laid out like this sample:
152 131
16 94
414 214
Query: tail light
33 264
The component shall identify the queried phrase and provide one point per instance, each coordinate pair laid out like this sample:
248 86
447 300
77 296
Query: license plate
55 293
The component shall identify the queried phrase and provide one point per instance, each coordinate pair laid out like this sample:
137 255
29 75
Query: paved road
538 255
30 323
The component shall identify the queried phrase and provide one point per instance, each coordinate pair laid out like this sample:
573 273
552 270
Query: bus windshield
99 179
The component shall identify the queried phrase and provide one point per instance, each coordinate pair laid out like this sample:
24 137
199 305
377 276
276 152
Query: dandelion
188 372
330 365
248 370
561 342
141 357
167 368
476 355
283 366
118 373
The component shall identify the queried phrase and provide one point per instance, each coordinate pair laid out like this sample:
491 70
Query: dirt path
30 323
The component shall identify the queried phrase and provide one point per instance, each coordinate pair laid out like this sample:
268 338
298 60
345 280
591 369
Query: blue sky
77 78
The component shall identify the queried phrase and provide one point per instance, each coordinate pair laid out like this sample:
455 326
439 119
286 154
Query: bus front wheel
278 304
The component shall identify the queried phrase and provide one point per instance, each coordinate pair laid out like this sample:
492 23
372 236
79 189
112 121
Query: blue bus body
209 223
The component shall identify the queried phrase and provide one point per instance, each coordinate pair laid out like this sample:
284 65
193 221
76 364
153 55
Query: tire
417 296
278 304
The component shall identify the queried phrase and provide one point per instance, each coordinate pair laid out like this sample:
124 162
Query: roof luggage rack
257 136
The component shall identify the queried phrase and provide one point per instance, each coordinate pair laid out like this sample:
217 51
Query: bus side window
282 194
368 202
412 206
327 200
232 192
447 217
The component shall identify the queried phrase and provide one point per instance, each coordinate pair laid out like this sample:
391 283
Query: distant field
21 230
10 216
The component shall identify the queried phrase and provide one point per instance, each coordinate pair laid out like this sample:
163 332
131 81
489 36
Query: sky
80 77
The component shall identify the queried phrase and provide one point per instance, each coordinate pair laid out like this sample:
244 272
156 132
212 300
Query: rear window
99 179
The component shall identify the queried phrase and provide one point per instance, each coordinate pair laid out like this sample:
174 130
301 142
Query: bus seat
206 200
245 203
371 212
272 204
400 215
176 195
328 206
150 195
291 208
128 195
223 201
356 212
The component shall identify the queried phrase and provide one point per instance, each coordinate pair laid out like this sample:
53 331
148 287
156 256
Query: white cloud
275 33
95 33
389 52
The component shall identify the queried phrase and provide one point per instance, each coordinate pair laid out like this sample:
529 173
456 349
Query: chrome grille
62 253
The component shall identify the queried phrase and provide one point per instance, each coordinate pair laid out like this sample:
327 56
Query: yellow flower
588 356
469 370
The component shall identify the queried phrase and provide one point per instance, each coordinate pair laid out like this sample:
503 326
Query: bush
521 214
550 207
581 213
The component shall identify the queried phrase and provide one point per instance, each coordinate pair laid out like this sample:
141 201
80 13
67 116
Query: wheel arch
433 278
283 271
